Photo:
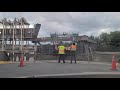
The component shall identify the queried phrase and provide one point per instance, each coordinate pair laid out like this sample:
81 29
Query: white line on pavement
71 74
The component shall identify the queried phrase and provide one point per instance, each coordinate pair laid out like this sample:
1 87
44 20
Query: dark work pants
73 55
61 56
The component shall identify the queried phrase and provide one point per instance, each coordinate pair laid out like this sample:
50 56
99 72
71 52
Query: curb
82 62
79 62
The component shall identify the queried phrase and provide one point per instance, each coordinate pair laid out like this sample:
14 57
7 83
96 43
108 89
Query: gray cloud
89 23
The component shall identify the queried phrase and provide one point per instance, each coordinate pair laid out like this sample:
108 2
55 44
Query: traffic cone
21 61
113 63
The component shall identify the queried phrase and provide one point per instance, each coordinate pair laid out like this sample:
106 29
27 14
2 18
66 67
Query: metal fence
46 52
108 48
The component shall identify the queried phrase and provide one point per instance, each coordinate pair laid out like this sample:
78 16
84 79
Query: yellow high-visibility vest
61 50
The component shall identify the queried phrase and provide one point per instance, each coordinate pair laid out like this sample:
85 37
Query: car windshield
59 45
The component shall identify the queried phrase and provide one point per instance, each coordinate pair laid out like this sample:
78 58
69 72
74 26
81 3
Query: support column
15 41
19 42
5 44
26 42
21 37
23 34
13 49
10 42
3 37
35 52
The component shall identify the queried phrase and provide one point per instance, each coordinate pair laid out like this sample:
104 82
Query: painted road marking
71 74
4 62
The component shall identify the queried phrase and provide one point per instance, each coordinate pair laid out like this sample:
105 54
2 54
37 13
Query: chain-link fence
107 48
48 52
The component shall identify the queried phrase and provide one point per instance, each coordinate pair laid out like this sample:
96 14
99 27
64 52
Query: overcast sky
86 23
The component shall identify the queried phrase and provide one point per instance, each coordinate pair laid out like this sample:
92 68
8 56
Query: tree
115 38
92 37
105 38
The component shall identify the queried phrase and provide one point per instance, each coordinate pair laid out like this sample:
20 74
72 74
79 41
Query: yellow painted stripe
4 62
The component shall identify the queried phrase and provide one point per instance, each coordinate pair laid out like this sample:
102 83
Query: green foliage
115 38
105 40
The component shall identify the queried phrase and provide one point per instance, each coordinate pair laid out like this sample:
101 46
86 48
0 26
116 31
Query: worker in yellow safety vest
73 49
61 52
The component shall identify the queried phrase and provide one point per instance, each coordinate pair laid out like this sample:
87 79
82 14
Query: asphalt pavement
51 67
